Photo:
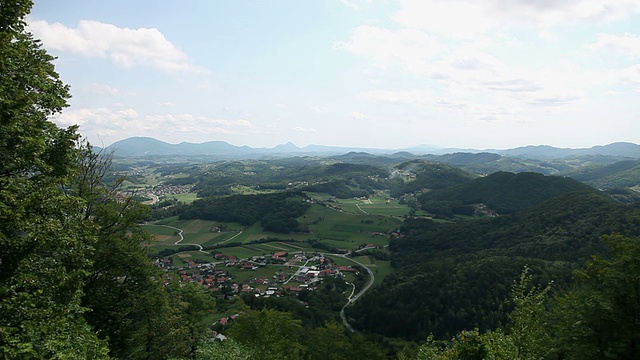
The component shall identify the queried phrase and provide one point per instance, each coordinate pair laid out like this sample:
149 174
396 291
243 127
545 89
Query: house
346 269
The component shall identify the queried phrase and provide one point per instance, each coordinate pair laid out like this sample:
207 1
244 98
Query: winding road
352 297
180 231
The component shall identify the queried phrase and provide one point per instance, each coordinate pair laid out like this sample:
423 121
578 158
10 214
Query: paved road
355 297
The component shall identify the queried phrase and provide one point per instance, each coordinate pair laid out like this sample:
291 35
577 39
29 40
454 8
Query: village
230 275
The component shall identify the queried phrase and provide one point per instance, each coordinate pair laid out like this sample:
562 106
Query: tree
45 246
270 334
130 308
600 317
526 339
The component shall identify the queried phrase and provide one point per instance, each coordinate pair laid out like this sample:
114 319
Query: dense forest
276 212
456 276
502 192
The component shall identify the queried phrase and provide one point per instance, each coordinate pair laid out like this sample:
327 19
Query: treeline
276 212
456 276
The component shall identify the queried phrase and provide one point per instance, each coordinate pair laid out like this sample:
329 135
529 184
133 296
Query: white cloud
168 104
469 18
107 124
407 46
423 97
358 115
627 45
354 4
303 129
125 47
318 109
103 89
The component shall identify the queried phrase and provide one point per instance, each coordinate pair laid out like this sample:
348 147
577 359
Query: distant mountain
145 146
544 152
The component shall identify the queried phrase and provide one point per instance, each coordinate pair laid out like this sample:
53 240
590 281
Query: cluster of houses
216 277
165 190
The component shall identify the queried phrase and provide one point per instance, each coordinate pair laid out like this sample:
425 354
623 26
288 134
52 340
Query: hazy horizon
425 146
351 73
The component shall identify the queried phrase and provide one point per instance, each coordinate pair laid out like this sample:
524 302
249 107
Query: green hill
620 174
457 276
502 192
428 175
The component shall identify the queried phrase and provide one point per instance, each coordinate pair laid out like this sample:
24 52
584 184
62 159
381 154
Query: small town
299 271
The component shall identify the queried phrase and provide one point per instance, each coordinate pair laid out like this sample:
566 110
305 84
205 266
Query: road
179 242
353 298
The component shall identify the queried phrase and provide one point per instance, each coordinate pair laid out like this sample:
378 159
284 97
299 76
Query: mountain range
146 146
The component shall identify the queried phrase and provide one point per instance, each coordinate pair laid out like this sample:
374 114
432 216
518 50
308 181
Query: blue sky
365 73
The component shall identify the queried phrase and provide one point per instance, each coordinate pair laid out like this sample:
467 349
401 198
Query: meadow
342 224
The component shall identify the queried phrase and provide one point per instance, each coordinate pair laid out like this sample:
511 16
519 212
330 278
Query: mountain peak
286 147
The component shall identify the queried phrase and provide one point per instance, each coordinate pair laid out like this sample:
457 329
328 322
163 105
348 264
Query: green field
186 198
346 229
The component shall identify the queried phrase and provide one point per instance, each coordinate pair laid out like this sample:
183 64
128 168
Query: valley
358 234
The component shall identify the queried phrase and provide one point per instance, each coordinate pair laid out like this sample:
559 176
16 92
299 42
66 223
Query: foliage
624 173
130 308
599 317
339 188
526 339
270 334
503 192
451 277
228 349
277 212
45 243
431 176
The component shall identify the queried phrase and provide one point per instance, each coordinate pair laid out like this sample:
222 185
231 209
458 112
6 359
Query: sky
490 74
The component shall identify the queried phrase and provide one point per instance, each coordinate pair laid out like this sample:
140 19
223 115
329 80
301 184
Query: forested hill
452 277
276 212
430 175
502 192
620 174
